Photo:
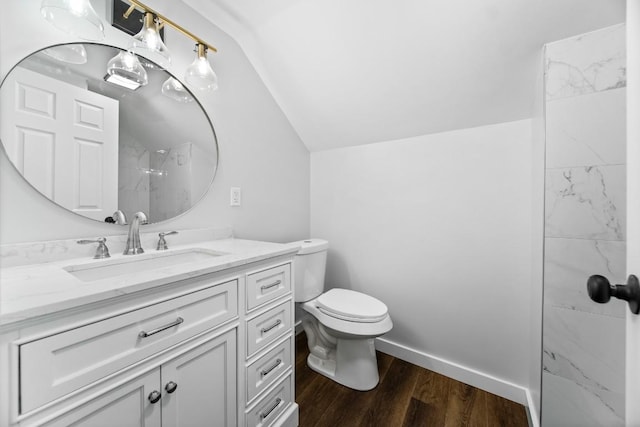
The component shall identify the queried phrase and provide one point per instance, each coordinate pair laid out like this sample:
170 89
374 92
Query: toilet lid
351 305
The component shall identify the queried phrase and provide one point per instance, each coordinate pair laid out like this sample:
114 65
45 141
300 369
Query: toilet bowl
340 324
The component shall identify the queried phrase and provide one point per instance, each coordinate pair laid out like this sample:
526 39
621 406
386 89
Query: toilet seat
349 312
352 306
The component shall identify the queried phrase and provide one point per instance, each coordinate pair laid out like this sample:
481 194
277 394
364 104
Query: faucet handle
119 217
162 243
101 251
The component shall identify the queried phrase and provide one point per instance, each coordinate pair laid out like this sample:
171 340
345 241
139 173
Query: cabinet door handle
171 387
145 334
276 324
274 284
268 412
270 368
154 396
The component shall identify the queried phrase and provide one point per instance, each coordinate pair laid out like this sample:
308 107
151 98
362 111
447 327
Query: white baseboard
458 372
532 411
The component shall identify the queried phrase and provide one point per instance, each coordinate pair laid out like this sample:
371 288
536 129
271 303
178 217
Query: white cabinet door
124 406
64 140
199 387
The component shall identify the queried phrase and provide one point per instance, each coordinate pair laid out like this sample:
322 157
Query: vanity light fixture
125 70
78 17
173 89
153 172
149 43
75 17
199 74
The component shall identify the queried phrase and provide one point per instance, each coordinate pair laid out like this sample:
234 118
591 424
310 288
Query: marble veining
587 130
586 383
589 63
587 202
575 405
585 229
569 262
578 347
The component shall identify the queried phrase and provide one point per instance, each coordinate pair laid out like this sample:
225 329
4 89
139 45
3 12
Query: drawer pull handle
154 396
145 334
171 387
272 285
275 325
268 412
266 372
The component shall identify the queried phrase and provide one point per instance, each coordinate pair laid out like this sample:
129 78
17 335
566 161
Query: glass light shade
173 89
149 44
200 74
69 53
75 17
126 70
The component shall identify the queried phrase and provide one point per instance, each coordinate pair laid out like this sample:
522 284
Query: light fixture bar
168 22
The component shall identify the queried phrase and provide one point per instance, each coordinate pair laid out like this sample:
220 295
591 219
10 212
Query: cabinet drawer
264 371
59 364
268 409
265 328
267 285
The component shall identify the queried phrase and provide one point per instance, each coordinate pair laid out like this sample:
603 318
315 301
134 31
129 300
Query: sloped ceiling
349 72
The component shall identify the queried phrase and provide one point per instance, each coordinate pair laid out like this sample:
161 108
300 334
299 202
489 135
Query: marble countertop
28 291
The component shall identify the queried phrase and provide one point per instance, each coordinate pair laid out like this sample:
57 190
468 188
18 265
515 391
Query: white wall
439 227
360 71
259 150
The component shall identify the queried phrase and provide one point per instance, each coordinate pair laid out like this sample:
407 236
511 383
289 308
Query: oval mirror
94 147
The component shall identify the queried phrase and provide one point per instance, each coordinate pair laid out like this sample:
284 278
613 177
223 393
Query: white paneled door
64 140
633 208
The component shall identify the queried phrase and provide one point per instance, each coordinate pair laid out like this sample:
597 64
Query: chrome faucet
119 218
102 251
133 240
162 243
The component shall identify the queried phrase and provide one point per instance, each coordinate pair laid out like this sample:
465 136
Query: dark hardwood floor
407 396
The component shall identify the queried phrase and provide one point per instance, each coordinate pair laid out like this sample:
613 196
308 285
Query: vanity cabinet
213 349
55 365
269 349
194 389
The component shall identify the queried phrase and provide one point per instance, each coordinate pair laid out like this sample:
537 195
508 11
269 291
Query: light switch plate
236 196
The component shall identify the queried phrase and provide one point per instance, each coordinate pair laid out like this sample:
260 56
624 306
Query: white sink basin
138 263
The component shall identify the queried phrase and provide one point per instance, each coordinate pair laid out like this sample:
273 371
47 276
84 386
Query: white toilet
340 324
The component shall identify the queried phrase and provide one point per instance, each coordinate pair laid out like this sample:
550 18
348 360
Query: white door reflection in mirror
58 136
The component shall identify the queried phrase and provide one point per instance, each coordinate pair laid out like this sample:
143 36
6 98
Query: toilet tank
309 265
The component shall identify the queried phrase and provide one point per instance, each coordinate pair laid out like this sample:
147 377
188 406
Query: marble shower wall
133 186
171 197
585 227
